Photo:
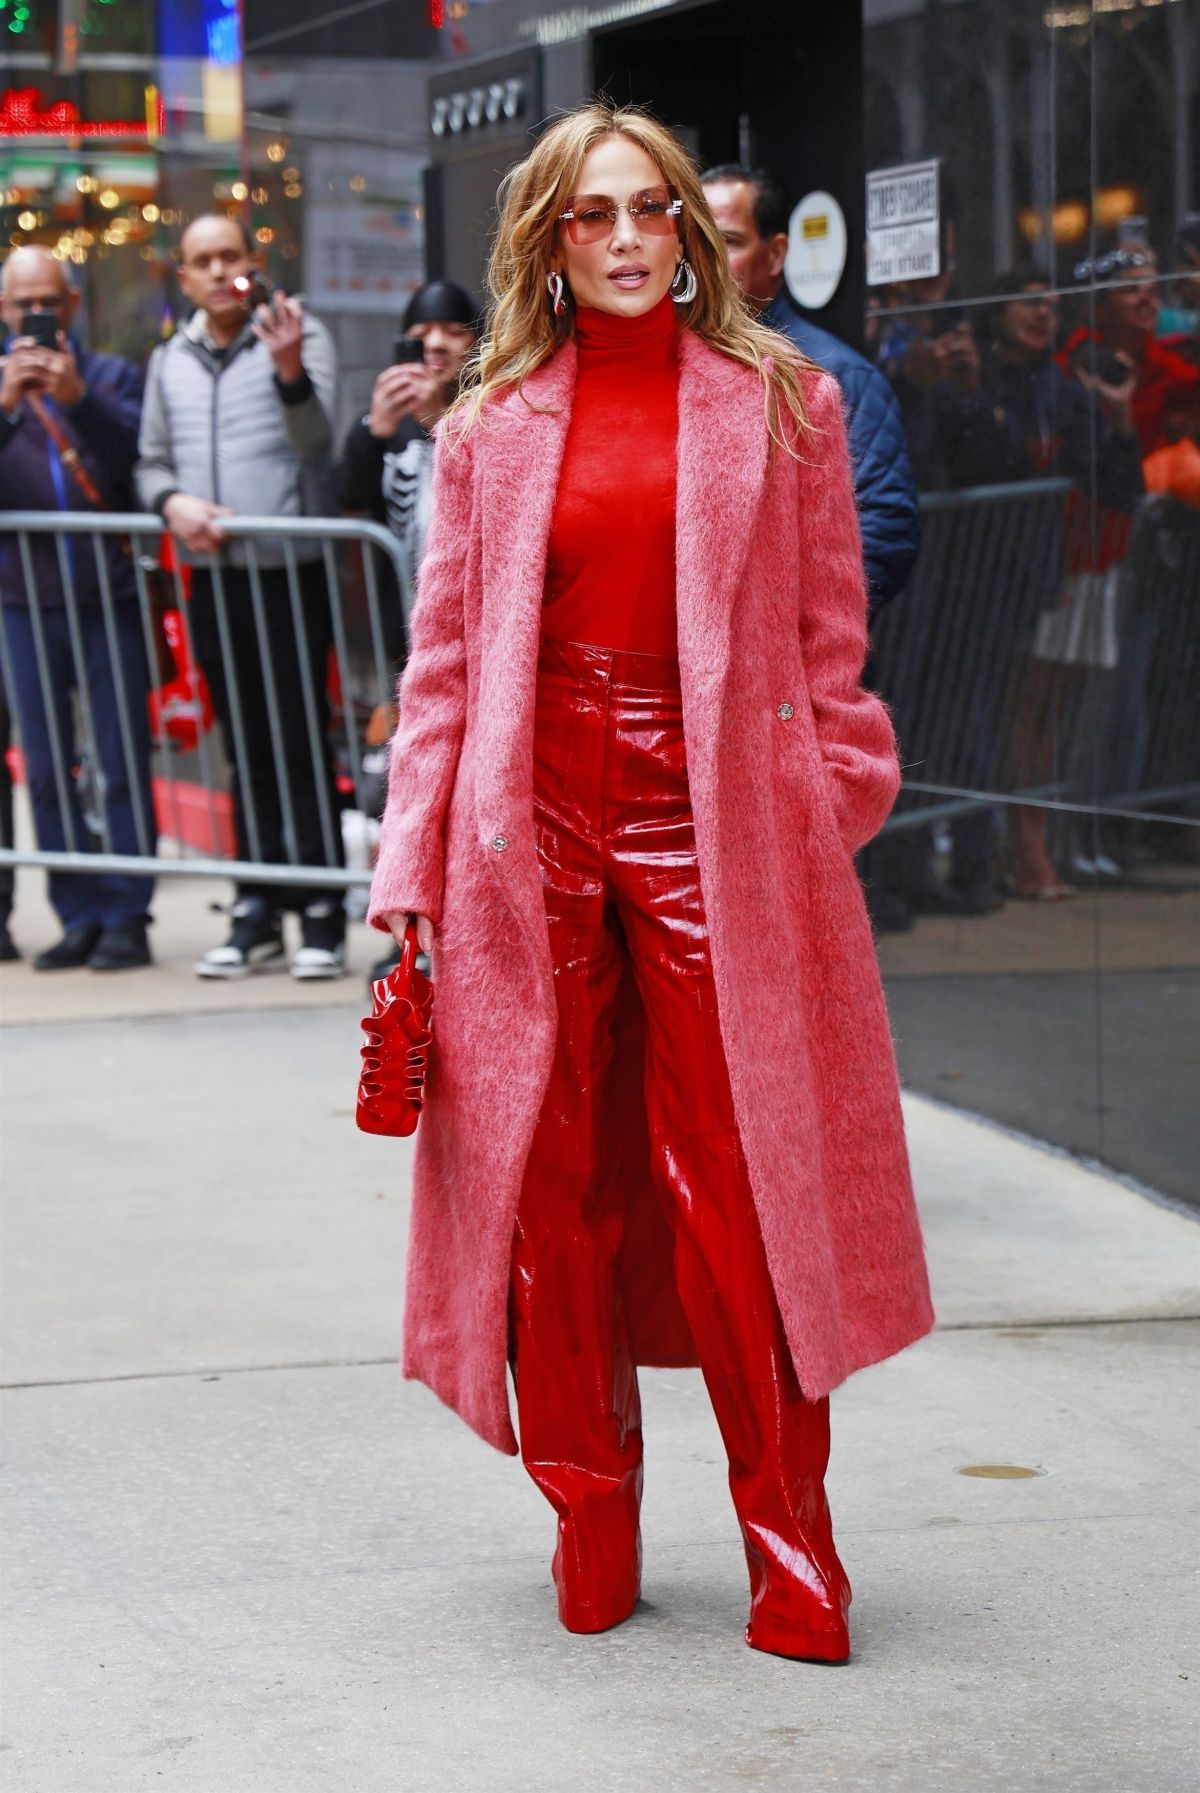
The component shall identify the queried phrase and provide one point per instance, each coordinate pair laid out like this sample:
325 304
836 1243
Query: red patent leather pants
618 857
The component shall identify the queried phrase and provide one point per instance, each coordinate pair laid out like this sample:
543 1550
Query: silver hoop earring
554 286
683 295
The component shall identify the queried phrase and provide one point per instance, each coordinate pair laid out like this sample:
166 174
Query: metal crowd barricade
364 577
954 657
957 659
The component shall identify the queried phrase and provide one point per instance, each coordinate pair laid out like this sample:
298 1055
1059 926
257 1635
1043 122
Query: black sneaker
254 944
323 927
123 948
73 950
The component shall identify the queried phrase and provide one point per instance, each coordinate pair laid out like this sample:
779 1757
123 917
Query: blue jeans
81 899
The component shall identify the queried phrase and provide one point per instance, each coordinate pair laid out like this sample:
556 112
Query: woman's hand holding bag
395 1056
399 924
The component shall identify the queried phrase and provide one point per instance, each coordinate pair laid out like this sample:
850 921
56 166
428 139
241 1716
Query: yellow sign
816 257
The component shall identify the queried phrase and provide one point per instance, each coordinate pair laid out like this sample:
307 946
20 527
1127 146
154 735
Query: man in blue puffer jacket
752 215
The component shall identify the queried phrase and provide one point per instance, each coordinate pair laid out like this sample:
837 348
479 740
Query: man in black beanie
387 459
386 469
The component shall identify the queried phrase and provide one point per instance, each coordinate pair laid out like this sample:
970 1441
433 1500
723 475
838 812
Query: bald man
68 433
752 215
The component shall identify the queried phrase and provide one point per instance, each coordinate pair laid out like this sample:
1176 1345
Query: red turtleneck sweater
610 575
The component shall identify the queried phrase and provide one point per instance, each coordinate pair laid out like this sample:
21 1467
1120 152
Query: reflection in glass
1044 662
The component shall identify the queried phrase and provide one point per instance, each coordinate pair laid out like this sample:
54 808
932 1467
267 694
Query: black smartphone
42 326
1095 359
407 348
253 289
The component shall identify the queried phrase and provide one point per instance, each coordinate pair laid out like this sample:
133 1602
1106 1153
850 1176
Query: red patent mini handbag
398 1029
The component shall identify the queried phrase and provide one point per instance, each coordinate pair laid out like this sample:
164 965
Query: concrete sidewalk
244 1557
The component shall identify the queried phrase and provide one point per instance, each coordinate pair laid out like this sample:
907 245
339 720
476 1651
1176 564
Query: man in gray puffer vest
238 416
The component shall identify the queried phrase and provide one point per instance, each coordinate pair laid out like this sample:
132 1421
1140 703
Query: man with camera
238 417
68 442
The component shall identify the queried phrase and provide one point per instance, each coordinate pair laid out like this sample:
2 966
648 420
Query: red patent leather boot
580 1422
577 1397
799 1592
776 1440
597 1562
578 1410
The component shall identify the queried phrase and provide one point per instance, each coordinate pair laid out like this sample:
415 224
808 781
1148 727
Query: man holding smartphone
387 459
68 442
386 469
239 417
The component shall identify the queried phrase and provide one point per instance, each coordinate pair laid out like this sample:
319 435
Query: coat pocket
802 779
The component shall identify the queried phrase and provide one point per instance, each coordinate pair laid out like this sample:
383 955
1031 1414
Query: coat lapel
722 465
521 450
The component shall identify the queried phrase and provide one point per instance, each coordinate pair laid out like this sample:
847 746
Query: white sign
902 224
364 244
816 257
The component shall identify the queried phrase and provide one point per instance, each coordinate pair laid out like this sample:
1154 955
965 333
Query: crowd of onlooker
236 414
1042 642
1102 389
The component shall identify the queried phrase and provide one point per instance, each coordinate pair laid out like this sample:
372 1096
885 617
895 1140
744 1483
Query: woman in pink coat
633 763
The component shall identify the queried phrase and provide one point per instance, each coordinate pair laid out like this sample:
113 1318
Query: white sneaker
323 954
255 943
1099 867
319 961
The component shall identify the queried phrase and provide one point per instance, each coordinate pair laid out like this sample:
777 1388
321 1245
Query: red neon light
437 13
20 116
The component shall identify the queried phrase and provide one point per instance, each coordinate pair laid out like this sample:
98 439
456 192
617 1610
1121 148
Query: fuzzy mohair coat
771 613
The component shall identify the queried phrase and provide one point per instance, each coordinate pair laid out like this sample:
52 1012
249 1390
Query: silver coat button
500 841
785 712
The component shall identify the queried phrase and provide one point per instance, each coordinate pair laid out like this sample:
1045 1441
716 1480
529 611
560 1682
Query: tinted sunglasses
591 216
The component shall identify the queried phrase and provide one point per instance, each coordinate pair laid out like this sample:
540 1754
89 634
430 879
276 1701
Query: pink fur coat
792 766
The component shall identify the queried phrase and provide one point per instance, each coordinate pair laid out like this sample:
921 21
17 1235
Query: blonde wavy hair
523 332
